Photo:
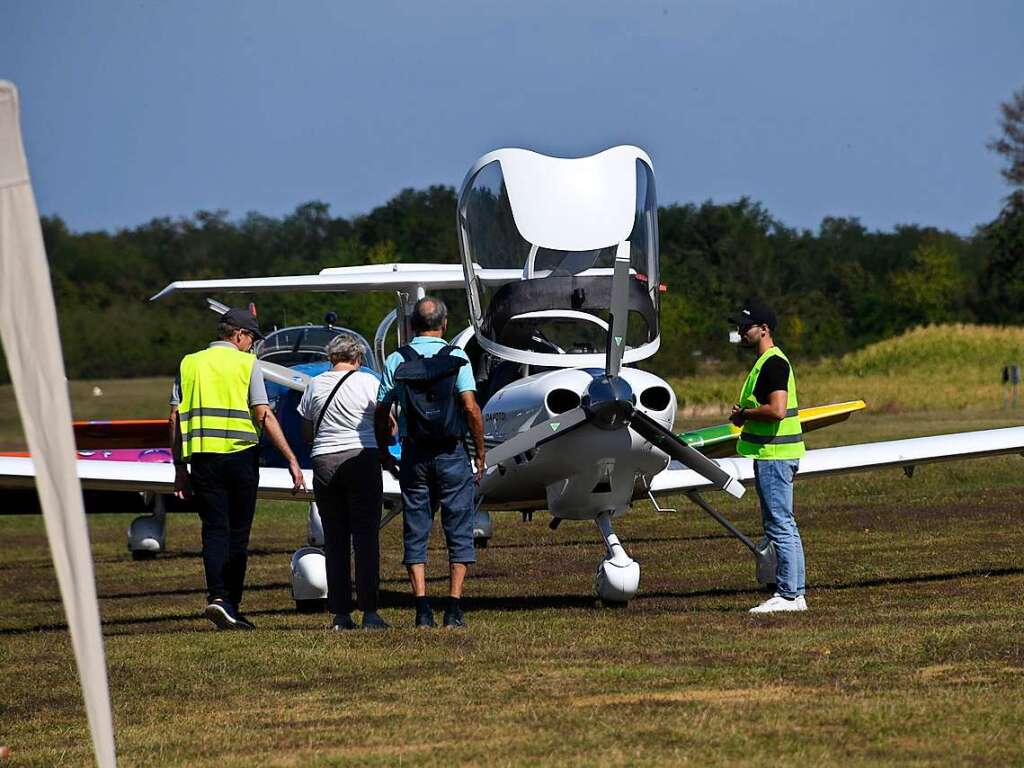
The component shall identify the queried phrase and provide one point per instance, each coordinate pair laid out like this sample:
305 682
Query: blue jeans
433 476
774 482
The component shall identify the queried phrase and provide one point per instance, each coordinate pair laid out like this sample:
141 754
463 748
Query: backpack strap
408 353
330 397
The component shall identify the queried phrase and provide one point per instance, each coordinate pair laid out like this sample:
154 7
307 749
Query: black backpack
432 409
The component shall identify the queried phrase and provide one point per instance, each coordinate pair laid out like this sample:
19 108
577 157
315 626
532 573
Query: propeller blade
286 377
663 438
619 311
548 430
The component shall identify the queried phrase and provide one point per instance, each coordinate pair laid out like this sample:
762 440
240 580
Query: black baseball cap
754 313
244 319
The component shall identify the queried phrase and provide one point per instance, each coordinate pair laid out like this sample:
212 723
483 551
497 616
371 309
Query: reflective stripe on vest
771 439
214 410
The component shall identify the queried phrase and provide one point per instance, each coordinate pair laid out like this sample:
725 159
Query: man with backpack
432 384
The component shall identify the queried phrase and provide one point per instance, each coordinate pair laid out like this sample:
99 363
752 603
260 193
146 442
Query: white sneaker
776 603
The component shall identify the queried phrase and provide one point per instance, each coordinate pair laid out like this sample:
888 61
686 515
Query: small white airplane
560 268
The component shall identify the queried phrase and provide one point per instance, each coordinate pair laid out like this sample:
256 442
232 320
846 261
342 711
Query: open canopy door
560 223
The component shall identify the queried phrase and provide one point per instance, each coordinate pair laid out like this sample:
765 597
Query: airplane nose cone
609 402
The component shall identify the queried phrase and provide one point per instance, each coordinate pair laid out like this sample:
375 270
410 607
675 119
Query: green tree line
835 289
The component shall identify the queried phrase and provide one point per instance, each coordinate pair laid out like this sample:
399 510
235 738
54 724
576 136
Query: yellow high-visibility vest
214 411
771 439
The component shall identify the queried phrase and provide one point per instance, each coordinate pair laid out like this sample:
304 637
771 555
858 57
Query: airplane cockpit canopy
561 222
305 344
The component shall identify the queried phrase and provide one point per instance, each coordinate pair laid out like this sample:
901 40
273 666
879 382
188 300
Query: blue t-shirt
426 346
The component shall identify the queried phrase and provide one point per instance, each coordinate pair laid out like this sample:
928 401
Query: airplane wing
275 483
373 277
720 439
859 458
126 433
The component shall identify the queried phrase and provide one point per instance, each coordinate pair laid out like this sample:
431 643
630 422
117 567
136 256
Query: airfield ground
913 651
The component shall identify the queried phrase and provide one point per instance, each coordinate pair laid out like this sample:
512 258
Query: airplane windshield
305 344
567 284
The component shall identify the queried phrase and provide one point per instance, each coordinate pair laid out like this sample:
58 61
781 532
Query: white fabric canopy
28 329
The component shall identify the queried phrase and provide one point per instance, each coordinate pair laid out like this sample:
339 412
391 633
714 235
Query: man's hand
737 417
182 482
388 463
298 479
475 421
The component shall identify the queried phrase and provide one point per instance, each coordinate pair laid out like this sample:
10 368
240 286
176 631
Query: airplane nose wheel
618 575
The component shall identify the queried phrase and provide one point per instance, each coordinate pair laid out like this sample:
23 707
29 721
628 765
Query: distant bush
939 367
965 352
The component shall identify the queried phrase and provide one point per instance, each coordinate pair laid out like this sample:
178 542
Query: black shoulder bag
330 398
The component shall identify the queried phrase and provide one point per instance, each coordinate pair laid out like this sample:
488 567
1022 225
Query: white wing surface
28 326
372 277
860 458
275 483
286 377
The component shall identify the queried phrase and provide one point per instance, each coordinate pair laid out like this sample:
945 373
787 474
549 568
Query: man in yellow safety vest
771 436
218 404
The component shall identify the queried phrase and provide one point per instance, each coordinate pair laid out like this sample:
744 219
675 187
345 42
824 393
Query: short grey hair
345 348
429 314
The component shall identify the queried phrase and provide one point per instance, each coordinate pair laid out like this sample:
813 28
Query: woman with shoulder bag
337 410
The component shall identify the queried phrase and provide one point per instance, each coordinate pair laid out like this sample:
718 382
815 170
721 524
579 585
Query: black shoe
425 618
221 614
372 620
343 621
453 618
243 623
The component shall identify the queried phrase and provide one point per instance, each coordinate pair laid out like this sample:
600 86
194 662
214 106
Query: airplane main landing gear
483 529
764 553
309 568
147 535
618 575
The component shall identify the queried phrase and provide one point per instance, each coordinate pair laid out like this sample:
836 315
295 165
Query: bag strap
330 397
408 353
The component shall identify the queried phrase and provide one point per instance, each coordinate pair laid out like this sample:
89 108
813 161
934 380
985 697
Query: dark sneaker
221 614
453 618
241 622
372 620
425 618
343 621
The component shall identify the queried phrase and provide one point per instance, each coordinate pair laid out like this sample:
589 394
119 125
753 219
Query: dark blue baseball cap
244 319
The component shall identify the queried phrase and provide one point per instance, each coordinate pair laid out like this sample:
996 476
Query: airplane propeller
609 403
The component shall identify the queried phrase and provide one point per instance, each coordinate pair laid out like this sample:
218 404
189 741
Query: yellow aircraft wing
720 440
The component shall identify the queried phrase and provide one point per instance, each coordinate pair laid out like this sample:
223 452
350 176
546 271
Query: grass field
912 652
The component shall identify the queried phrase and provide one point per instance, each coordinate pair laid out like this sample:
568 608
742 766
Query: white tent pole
28 329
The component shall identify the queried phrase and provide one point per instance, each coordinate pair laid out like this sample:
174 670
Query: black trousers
349 490
225 486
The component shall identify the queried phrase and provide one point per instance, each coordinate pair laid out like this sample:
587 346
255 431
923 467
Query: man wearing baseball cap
771 436
218 405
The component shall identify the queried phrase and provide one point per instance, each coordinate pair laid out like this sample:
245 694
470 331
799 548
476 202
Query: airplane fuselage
588 470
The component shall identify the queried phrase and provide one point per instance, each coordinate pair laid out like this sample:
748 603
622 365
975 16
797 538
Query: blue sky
873 109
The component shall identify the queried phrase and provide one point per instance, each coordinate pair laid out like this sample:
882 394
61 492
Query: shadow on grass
596 541
186 554
395 599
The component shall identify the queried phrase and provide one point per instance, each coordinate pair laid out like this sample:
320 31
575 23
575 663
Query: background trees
835 289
